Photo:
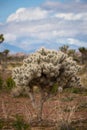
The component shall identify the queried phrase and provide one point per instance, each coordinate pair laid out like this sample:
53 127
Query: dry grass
57 110
4 110
84 79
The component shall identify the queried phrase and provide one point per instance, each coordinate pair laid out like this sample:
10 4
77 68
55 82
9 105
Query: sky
28 25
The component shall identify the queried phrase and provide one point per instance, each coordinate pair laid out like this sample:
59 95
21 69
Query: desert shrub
1 124
67 99
20 124
13 64
54 88
1 83
65 114
76 90
50 71
67 127
10 83
82 105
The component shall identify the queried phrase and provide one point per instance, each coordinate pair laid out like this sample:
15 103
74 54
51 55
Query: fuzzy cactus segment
46 67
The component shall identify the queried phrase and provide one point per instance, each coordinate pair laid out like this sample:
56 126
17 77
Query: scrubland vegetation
44 90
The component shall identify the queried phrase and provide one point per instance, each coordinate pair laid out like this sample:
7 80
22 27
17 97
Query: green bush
19 124
74 90
67 99
1 124
1 82
10 83
54 88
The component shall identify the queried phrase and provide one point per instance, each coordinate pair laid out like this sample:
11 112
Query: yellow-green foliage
54 88
10 83
1 124
20 124
1 82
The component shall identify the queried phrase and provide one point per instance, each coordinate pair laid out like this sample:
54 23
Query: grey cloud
65 6
51 31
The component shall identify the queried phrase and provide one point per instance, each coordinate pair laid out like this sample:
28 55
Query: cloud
10 37
1 24
31 28
30 14
77 42
67 6
72 16
72 42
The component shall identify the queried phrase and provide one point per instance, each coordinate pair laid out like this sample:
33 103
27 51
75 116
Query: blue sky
28 25
9 6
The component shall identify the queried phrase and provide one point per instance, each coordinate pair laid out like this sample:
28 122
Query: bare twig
4 110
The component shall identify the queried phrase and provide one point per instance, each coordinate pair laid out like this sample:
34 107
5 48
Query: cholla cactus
44 69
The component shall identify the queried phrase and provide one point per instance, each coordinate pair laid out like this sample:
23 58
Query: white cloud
77 0
30 28
29 14
1 24
71 41
72 16
67 6
76 42
9 37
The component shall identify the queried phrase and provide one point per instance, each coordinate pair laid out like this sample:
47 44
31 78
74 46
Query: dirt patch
9 107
